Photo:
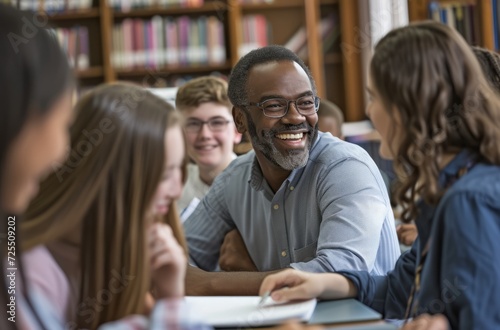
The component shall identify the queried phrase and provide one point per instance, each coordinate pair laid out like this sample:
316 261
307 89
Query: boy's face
211 149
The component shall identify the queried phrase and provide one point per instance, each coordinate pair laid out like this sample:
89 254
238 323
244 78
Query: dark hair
490 63
430 76
330 109
238 78
34 73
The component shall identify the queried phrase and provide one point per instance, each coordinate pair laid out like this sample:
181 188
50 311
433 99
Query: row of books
168 41
329 30
51 6
127 5
496 23
256 1
256 33
461 16
75 42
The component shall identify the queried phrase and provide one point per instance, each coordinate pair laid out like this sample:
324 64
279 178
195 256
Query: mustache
287 128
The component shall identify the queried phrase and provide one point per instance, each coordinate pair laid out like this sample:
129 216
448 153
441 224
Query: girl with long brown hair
97 231
440 121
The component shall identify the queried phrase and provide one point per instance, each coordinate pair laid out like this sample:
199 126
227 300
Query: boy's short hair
330 109
202 90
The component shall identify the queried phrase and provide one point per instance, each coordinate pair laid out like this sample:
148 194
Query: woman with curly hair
439 119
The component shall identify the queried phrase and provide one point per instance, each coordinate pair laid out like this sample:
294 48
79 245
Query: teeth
290 136
206 148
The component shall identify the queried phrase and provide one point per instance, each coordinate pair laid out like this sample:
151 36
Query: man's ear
239 120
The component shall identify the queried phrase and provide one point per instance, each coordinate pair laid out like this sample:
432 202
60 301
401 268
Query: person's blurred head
36 95
123 172
430 100
208 125
330 118
490 63
261 87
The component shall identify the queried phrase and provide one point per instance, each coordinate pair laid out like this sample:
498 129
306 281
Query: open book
243 311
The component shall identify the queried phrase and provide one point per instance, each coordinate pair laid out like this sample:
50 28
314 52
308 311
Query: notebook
243 311
342 311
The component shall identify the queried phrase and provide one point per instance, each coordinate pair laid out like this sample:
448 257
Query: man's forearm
202 283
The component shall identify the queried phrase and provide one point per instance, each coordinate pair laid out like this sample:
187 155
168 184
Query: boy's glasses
277 108
214 124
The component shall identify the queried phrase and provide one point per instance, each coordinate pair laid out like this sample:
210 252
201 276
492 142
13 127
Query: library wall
163 43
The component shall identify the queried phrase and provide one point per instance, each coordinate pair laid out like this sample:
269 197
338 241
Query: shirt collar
449 173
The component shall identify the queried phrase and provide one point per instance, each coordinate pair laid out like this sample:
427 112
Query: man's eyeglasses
277 108
216 124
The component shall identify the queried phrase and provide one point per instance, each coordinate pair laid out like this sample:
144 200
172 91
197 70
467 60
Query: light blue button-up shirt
330 215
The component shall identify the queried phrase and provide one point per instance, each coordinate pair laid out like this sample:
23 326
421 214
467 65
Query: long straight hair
104 189
34 74
429 74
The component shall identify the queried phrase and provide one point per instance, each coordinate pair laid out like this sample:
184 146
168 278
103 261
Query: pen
264 298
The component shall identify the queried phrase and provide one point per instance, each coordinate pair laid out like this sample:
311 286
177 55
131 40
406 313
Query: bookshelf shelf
279 4
93 72
209 8
193 68
75 15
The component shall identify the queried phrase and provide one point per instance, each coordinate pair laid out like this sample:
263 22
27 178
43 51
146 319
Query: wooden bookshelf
92 72
188 69
419 10
208 8
337 75
75 15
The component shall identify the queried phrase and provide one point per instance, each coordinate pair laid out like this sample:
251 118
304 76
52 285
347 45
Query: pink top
45 277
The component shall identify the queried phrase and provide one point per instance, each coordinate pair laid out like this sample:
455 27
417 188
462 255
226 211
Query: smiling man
302 199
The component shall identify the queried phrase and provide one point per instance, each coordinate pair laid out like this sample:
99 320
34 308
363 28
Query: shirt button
276 206
292 188
283 253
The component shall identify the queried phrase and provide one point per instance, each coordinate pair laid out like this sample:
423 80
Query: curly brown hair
428 73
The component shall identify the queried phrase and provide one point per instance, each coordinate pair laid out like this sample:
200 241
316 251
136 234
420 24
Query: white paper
243 311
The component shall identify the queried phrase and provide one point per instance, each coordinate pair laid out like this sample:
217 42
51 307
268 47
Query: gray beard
293 159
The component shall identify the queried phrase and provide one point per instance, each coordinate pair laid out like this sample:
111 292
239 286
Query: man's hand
203 283
234 255
407 233
197 282
168 262
428 322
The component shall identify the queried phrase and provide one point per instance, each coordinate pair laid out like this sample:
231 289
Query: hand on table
427 322
168 262
234 255
298 326
292 284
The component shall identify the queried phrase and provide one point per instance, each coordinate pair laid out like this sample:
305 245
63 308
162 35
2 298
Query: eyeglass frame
259 105
207 122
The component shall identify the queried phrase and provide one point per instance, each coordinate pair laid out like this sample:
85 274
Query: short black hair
239 75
